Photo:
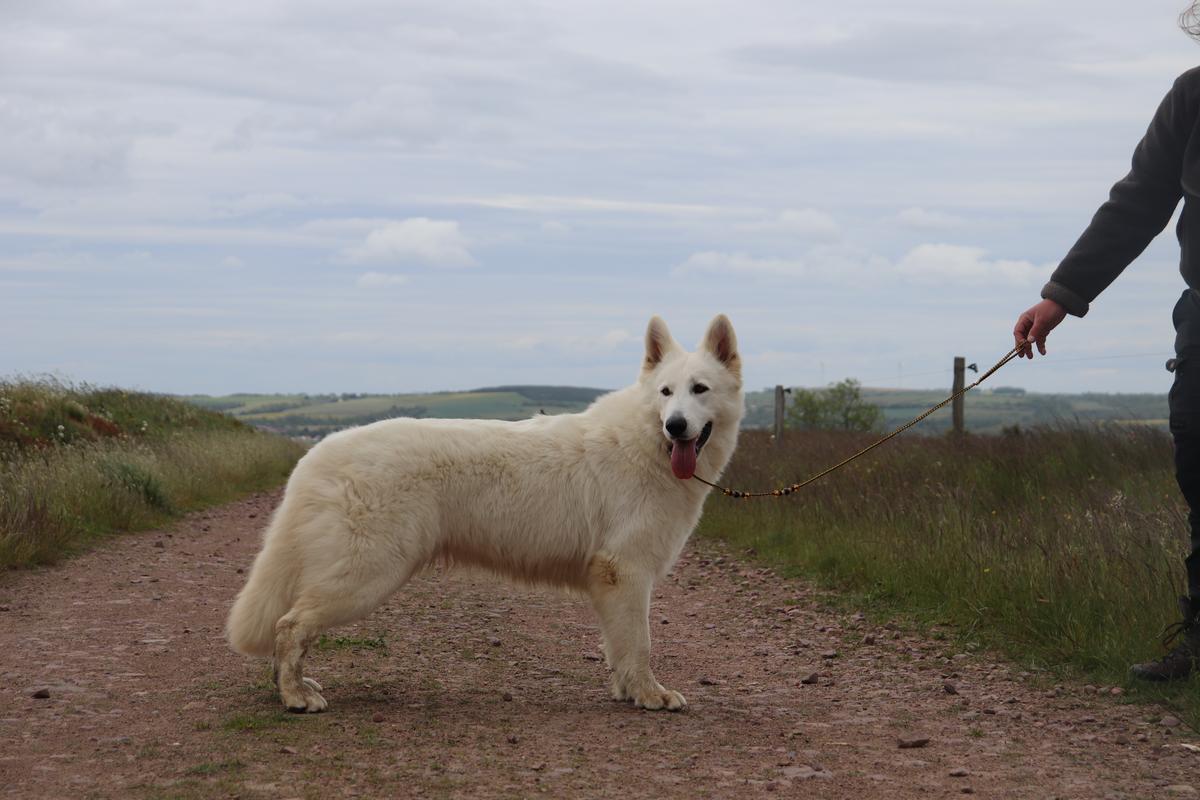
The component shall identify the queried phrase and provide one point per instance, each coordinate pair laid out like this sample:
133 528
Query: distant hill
987 410
315 415
992 410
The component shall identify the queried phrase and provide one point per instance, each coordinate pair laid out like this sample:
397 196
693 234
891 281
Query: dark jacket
1166 166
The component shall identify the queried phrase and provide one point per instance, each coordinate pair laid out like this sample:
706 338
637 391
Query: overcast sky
383 196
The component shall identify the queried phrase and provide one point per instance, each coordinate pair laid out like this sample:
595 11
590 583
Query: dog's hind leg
347 591
622 601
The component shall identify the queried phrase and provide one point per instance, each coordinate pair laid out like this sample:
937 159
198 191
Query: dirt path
466 687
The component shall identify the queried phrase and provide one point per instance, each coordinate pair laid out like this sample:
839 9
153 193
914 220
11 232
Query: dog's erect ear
721 341
659 343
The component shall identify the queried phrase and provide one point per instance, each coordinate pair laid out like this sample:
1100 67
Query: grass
1061 547
258 721
326 643
80 463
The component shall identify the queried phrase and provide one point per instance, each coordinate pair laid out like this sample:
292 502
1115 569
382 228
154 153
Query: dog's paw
658 698
307 700
649 695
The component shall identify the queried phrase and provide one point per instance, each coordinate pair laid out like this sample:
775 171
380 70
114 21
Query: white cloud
558 204
379 280
925 219
718 263
259 202
419 240
574 345
807 223
232 261
961 264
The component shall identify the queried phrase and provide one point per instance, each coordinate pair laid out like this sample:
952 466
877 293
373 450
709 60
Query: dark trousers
1184 403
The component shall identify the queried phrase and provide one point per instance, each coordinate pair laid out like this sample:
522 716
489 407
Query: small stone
291 751
961 656
240 571
967 790
1116 691
665 621
494 642
950 687
1089 689
990 711
507 697
252 516
378 717
1122 739
708 682
959 772
5 608
512 738
159 544
538 767
1169 721
912 742
592 657
868 639
41 694
828 654
810 679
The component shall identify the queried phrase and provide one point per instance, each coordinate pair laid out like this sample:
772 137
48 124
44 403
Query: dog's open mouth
684 453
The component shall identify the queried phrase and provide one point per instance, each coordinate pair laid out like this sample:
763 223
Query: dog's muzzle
684 452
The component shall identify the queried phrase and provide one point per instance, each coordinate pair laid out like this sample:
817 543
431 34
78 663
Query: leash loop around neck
783 491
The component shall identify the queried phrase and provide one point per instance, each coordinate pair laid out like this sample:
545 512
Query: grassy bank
1061 547
78 463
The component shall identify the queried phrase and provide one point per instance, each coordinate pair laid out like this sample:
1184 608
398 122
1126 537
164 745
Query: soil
466 686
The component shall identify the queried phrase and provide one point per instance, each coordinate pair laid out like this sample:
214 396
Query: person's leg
1184 403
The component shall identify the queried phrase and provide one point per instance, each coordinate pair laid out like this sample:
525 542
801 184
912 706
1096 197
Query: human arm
1139 206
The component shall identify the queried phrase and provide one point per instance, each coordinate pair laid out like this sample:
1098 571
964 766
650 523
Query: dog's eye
699 388
666 391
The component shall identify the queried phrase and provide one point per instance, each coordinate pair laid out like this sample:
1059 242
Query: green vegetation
1062 547
77 463
350 643
257 721
318 415
990 410
987 410
840 406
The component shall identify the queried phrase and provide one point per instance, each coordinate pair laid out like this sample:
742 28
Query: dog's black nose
677 426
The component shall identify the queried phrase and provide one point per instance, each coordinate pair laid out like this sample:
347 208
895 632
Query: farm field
314 416
987 411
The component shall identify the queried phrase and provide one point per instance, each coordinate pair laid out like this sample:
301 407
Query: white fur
584 500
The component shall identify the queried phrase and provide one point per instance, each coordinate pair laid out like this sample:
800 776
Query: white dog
598 501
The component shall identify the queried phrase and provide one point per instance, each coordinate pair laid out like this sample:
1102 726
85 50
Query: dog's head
694 393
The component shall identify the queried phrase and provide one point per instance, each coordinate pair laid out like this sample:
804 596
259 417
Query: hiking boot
1179 662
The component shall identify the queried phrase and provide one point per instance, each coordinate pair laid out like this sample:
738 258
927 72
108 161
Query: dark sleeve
1139 206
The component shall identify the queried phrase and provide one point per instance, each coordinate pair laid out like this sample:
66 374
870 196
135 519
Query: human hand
1035 325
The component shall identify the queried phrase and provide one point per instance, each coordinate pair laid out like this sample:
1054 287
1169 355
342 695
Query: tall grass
1062 546
80 463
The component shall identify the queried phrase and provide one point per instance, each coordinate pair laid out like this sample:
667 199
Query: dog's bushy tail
266 597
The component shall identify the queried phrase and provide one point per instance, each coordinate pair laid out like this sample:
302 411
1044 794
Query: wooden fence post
960 369
779 408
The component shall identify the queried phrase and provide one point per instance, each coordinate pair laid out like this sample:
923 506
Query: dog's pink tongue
683 459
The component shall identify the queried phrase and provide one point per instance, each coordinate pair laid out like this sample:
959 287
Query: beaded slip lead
783 491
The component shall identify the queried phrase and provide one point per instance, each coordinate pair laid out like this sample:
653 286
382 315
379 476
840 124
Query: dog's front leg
622 601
